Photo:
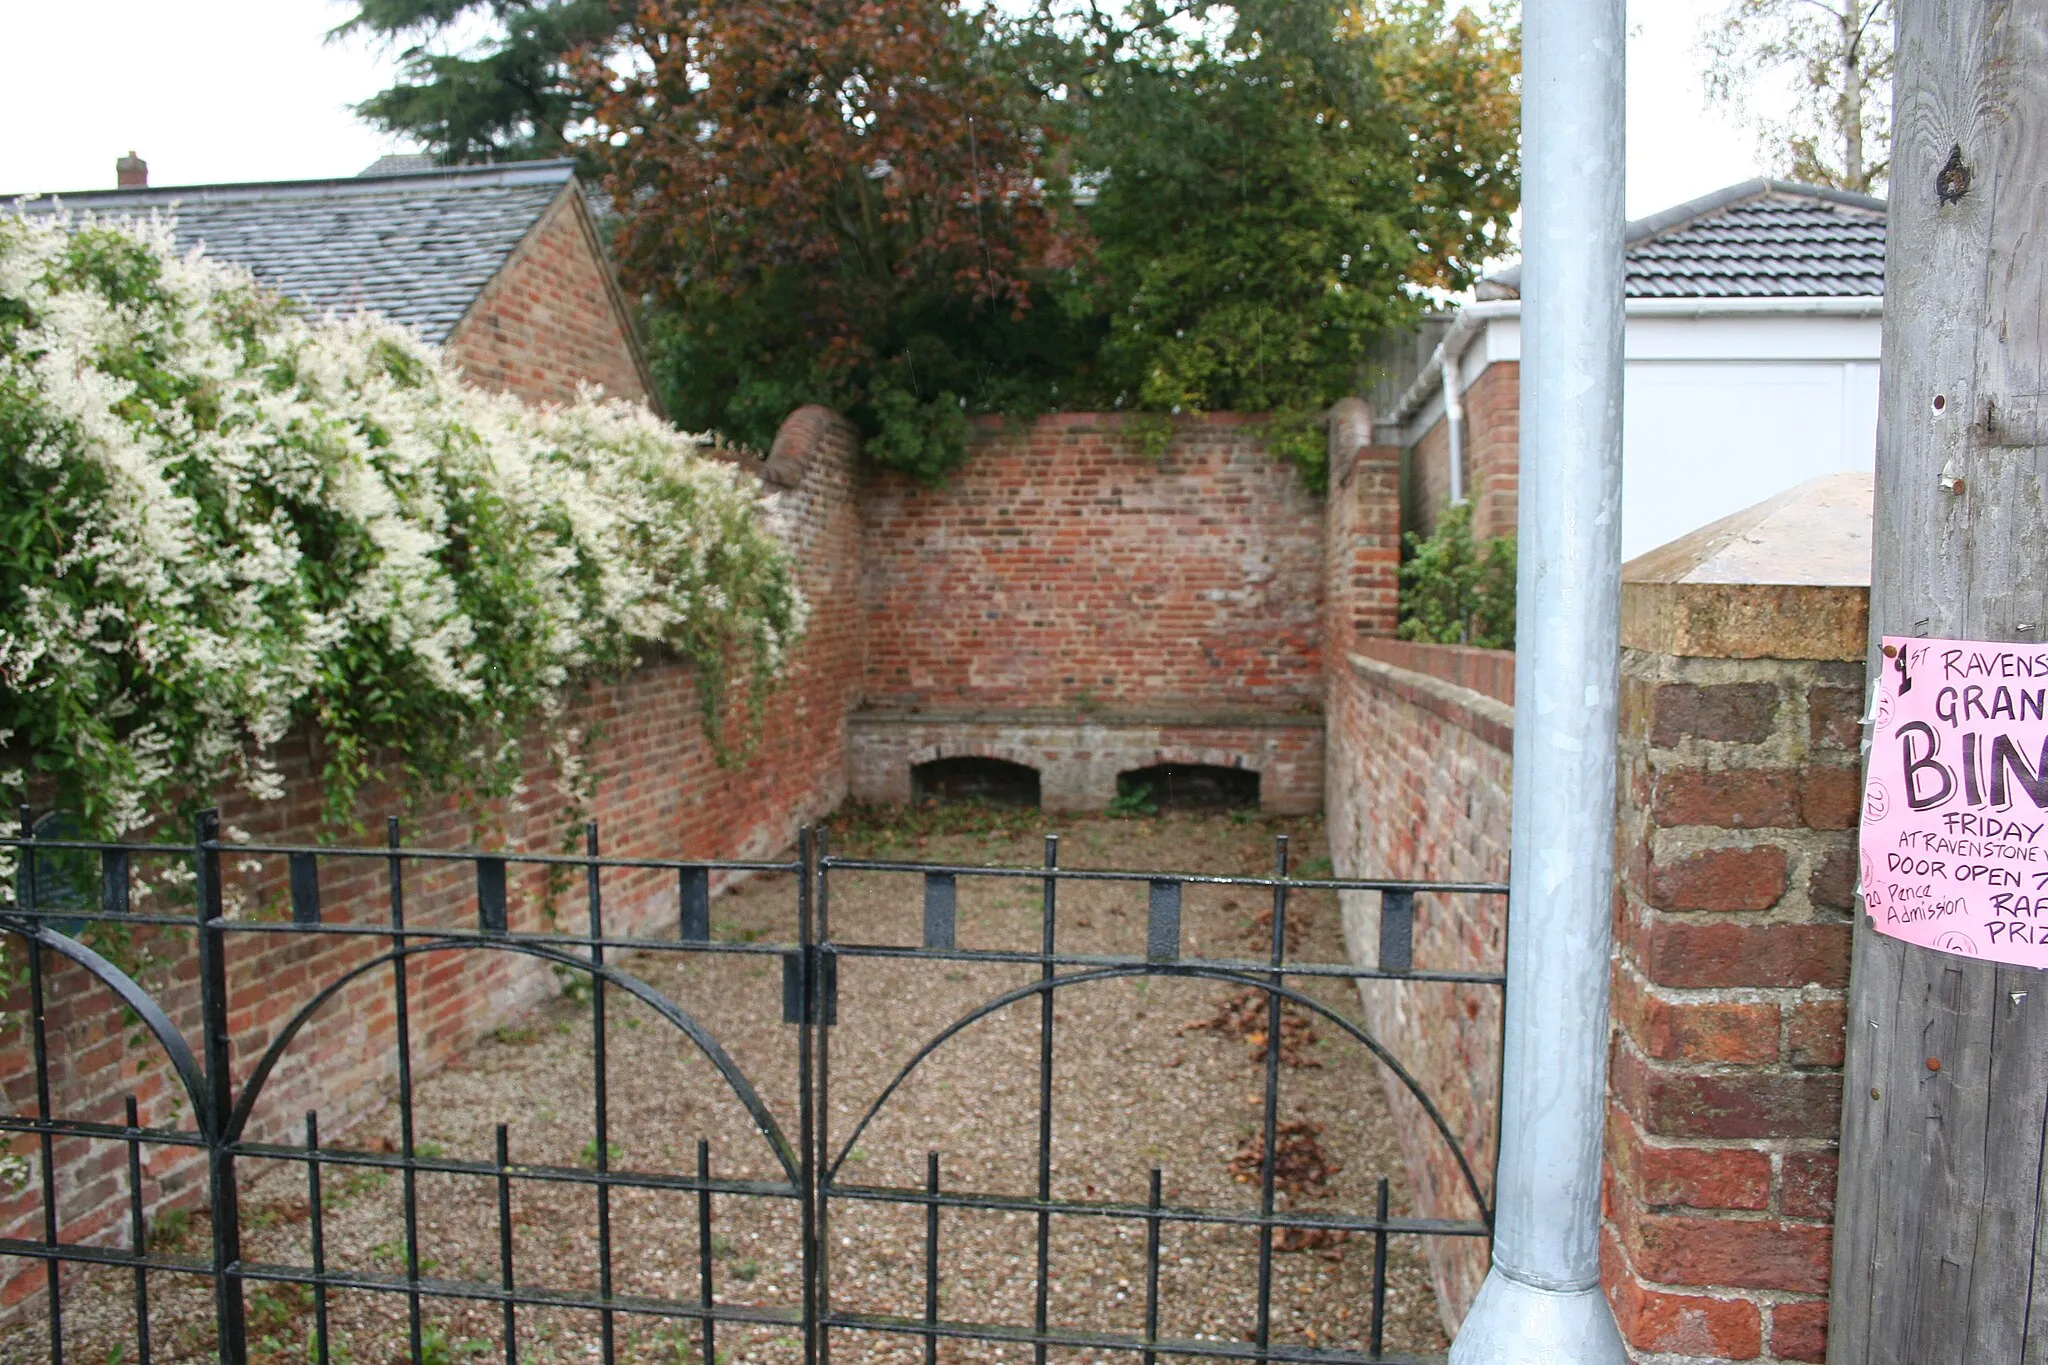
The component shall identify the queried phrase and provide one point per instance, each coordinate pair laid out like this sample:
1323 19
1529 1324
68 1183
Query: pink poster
1955 814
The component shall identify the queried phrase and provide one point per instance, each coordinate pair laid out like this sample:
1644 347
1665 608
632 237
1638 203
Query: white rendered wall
1703 439
1723 411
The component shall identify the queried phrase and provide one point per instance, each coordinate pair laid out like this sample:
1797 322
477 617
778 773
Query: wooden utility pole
1939 1234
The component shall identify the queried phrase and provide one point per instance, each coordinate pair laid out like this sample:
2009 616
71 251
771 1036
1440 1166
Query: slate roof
1761 239
417 248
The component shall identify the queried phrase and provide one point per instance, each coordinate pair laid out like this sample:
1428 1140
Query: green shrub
219 523
1454 592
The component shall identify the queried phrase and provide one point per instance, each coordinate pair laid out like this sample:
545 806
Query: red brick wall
1735 835
1492 441
1489 672
1493 448
1739 781
660 793
552 319
1418 786
1062 568
1362 533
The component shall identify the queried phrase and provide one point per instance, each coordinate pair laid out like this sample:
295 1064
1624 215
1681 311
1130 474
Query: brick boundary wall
1419 787
1066 601
1361 533
1489 672
660 792
1740 754
1735 827
1416 784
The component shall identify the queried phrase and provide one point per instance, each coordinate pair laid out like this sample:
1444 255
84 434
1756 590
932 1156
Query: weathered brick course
1799 1331
1667 1026
1667 1176
1703 954
1740 713
1418 787
1747 878
1731 958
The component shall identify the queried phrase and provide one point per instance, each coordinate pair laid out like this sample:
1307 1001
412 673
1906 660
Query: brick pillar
1362 544
1739 775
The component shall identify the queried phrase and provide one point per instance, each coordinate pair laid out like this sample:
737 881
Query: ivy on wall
219 522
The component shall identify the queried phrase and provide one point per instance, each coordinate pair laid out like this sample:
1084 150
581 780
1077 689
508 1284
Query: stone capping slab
1151 718
1745 620
1786 579
1491 722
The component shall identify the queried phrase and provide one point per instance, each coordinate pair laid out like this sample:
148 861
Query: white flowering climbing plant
219 522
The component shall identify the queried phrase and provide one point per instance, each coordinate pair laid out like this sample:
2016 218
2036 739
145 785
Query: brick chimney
131 172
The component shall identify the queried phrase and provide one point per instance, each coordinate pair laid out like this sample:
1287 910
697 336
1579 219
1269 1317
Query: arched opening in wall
1190 786
992 781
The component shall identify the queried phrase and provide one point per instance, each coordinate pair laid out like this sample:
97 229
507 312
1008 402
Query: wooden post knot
1953 181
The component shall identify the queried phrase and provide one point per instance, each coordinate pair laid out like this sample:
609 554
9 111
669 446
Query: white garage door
1704 439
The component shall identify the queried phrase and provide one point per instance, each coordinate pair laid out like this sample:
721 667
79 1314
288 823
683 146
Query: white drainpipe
1450 363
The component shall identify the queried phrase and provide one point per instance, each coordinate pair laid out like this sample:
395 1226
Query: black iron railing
49 912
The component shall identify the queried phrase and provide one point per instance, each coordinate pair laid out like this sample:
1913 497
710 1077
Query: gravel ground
1146 1072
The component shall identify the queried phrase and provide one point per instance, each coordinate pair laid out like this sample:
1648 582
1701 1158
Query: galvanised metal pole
1541 1301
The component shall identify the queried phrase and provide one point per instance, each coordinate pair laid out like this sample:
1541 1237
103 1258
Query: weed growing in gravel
393 1254
675 1344
575 984
266 1216
438 1348
170 1229
275 1315
864 829
348 1187
588 1156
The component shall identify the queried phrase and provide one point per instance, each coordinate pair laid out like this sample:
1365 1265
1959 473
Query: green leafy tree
844 202
918 212
1455 592
516 95
1838 131
1278 188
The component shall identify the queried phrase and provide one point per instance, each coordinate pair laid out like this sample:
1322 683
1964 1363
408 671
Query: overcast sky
221 90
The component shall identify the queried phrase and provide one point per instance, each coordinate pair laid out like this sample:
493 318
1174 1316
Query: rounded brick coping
796 444
1487 720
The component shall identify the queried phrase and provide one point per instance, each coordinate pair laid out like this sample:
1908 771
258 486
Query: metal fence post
1542 1301
223 1199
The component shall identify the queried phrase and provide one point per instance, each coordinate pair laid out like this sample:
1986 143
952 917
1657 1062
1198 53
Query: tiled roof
1762 239
417 248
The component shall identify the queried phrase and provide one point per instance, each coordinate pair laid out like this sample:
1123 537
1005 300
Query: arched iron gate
46 911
